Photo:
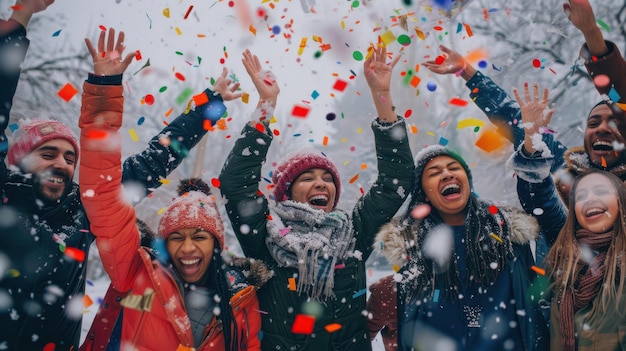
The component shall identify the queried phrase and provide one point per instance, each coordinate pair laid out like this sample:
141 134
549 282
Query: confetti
340 85
490 141
470 122
149 99
56 34
458 102
303 324
359 293
67 92
87 301
332 327
188 11
497 238
166 12
538 270
292 284
75 254
300 111
603 24
133 134
354 178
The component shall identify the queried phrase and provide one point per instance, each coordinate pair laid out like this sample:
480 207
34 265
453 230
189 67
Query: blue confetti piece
496 68
353 73
315 94
141 120
614 95
89 282
443 141
436 295
459 27
276 29
297 135
431 86
56 34
13 127
359 293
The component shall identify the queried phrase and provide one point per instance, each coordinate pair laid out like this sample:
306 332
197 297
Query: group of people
472 275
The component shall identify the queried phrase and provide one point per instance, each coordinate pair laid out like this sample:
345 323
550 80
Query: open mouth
318 200
595 211
190 266
601 145
56 180
451 189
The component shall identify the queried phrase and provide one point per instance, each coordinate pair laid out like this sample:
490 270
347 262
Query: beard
51 186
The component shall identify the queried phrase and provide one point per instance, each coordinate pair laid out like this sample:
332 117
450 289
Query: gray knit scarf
311 240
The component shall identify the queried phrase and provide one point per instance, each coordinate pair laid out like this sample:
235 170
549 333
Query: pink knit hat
295 164
194 208
37 133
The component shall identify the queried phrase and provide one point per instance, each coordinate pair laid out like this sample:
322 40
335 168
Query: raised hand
24 9
264 81
378 71
535 115
107 61
452 62
224 88
580 14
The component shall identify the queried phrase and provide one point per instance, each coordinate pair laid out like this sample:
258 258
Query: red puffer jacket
154 315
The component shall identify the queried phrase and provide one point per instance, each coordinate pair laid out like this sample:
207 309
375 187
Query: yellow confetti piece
302 45
133 134
470 122
359 131
292 284
178 31
13 273
166 12
273 120
431 134
388 37
497 238
245 98
317 39
164 181
395 267
161 210
419 33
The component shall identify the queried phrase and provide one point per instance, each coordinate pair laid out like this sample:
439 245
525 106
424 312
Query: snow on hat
194 208
295 164
35 134
421 159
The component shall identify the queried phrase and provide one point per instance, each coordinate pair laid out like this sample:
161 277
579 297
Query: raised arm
394 158
246 205
112 219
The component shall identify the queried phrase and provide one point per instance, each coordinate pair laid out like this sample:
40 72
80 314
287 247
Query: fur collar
390 240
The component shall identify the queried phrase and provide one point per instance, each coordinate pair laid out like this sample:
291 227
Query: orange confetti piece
363 165
292 284
184 348
415 81
245 97
200 99
221 124
207 125
353 179
419 33
87 301
486 14
252 30
603 162
67 92
414 129
75 254
303 324
538 270
325 141
489 141
333 327
468 29
169 112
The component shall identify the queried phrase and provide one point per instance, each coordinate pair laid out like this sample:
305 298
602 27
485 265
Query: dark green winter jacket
247 209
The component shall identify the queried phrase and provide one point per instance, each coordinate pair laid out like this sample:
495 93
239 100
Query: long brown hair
564 257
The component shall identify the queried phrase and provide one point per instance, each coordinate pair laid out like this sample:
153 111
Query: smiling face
596 203
315 187
52 165
191 252
601 137
447 188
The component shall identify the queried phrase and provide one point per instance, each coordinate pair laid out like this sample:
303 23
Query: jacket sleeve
392 185
13 47
538 195
613 66
505 113
160 158
112 219
246 205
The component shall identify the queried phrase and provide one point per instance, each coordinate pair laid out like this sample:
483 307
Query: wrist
21 15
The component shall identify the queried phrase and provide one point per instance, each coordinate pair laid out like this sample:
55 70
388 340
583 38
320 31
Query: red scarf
587 284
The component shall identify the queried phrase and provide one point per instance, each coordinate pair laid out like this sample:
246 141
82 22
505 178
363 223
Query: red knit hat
194 208
295 164
37 133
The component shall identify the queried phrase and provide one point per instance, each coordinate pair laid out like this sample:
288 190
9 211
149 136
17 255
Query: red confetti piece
439 60
340 85
138 55
179 76
260 127
215 182
149 99
49 347
96 134
303 324
102 28
536 63
74 253
67 92
300 111
17 7
188 11
493 209
458 102
408 113
200 99
353 179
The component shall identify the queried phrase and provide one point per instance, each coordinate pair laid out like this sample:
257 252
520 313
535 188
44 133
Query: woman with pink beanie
316 299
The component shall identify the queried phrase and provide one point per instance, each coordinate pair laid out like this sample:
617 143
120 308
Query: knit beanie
418 195
295 164
194 208
36 133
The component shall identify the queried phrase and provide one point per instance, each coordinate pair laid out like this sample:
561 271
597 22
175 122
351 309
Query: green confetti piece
357 55
404 40
163 88
184 96
318 54
179 53
199 60
355 4
212 81
408 77
604 26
